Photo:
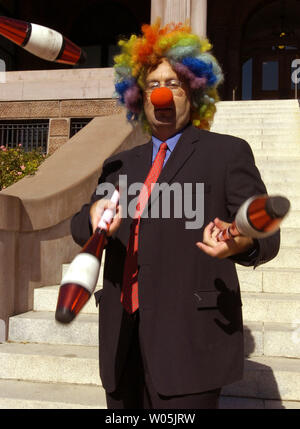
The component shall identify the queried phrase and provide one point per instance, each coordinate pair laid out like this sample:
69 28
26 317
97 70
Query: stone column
177 11
199 17
157 10
180 11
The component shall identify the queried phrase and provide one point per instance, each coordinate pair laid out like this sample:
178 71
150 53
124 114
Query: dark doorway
271 44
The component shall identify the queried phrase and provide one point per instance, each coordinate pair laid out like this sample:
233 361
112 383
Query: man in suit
184 339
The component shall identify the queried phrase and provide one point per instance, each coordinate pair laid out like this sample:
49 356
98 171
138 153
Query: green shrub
16 163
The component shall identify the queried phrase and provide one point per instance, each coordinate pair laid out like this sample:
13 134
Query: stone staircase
271 293
47 365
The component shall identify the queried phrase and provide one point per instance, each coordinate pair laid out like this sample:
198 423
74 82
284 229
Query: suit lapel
141 163
182 152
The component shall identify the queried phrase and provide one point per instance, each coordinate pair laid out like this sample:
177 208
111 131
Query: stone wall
58 96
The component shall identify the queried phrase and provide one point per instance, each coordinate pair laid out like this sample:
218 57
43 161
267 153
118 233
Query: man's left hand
222 249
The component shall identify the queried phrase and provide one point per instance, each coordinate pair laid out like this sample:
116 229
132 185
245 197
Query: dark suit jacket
190 304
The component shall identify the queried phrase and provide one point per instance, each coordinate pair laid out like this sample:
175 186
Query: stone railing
35 212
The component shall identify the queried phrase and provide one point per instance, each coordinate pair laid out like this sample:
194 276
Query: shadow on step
259 388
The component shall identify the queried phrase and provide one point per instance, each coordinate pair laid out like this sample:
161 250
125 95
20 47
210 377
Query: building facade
257 42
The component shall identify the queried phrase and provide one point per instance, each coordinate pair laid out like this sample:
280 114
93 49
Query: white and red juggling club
79 282
41 41
260 216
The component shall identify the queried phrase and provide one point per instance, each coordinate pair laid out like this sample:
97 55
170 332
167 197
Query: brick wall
74 94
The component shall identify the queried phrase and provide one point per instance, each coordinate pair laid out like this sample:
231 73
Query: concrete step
257 127
73 364
258 108
17 394
273 159
269 280
269 378
99 282
50 363
275 381
272 339
289 178
290 237
263 279
266 142
283 267
79 364
254 103
280 310
272 143
257 111
289 189
264 118
236 403
287 152
271 307
290 164
41 327
258 105
288 257
45 299
288 116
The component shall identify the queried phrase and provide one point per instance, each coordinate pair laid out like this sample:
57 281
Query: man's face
166 121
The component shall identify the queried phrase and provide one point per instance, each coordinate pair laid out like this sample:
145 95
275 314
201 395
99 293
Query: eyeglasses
173 84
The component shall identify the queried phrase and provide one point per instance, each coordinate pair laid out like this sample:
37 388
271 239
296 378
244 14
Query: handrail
35 212
55 192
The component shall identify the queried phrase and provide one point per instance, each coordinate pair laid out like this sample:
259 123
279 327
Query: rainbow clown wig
189 56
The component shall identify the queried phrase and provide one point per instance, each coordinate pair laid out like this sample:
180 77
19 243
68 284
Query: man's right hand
97 210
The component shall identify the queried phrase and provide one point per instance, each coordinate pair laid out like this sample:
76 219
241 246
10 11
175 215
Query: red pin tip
162 97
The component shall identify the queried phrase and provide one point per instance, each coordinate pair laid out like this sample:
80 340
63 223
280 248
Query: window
31 134
247 79
77 124
270 76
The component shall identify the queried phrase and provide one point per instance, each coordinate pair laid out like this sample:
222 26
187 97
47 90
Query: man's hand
97 210
222 249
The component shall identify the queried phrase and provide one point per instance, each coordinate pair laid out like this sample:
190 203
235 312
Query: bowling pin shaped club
80 281
42 41
260 216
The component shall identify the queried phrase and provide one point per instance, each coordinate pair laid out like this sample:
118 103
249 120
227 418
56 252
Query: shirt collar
171 142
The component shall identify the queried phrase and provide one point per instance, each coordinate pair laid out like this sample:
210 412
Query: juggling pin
260 216
80 280
41 41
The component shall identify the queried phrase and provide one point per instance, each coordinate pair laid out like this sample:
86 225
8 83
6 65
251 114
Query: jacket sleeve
81 228
243 181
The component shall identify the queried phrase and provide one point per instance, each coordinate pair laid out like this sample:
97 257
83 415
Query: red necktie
129 294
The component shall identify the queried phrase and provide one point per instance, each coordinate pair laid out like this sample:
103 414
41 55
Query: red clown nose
162 97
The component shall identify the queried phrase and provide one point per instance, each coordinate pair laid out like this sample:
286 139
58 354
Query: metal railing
31 134
77 124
